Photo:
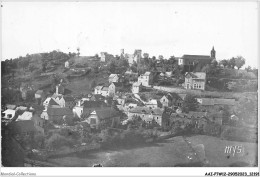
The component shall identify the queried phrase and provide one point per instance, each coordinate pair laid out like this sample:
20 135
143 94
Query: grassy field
171 152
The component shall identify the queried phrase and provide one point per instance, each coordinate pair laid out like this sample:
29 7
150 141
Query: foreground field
177 151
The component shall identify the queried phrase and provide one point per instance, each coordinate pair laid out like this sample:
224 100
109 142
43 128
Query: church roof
196 57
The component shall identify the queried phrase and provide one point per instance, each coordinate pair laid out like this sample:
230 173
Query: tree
214 63
78 49
93 84
206 68
32 67
44 64
134 67
112 66
231 63
189 104
239 62
248 69
160 57
123 63
146 55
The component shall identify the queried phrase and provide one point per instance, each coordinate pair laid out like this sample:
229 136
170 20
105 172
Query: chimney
57 90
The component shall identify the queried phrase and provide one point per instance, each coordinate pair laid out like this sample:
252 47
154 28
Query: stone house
152 104
56 115
146 114
113 78
145 79
166 101
195 80
136 87
131 76
103 117
83 108
106 90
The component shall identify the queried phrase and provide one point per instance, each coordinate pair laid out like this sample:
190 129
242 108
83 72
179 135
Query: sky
158 28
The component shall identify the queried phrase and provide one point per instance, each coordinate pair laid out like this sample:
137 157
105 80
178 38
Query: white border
130 171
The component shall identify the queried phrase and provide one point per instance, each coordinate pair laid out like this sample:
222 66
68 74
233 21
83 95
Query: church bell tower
213 53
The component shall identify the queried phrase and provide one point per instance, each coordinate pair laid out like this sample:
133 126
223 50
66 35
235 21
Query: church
192 60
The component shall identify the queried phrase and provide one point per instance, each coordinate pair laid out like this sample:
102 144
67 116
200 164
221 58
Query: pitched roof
197 75
94 104
25 116
145 110
23 108
147 73
99 87
69 98
136 84
168 96
112 76
153 102
98 97
18 127
59 112
104 89
196 57
9 111
182 95
50 101
40 92
108 112
10 106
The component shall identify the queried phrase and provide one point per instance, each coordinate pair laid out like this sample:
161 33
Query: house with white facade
105 90
113 78
67 64
145 79
147 114
104 117
166 100
152 104
136 87
195 80
8 114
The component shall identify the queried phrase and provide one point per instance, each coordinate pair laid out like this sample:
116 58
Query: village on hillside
57 104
